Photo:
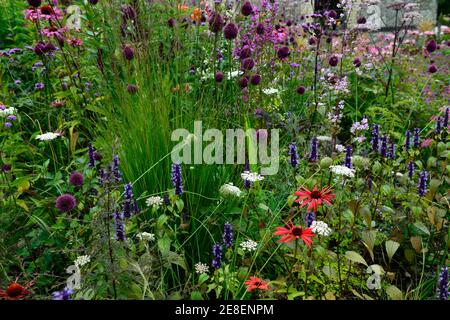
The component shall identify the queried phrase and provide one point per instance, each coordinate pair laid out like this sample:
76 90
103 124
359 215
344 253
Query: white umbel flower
320 228
324 138
251 176
228 189
340 148
82 260
248 245
48 136
156 201
145 236
7 111
270 91
343 171
201 268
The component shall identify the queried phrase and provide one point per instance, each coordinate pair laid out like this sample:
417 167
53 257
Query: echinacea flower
15 291
255 283
314 198
292 232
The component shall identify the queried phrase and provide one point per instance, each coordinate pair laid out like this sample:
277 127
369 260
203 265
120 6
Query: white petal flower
82 260
320 228
228 189
248 245
7 111
270 91
324 138
201 268
340 148
343 171
48 136
156 201
145 236
251 176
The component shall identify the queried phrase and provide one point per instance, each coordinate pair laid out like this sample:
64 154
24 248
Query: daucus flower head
314 198
251 176
290 233
66 202
155 201
228 235
248 245
177 179
217 256
201 268
48 136
228 189
320 228
146 236
343 171
255 283
82 260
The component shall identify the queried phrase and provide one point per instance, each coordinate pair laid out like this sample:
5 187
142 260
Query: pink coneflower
53 32
290 233
314 198
255 283
15 291
48 12
75 42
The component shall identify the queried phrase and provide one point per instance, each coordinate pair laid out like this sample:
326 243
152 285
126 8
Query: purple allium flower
76 179
313 155
66 202
357 62
361 20
443 284
8 124
217 253
423 183
215 22
245 52
348 157
218 76
410 169
407 140
6 167
227 235
171 22
438 128
93 2
128 13
391 151
293 155
247 8
63 295
131 88
230 31
332 14
247 64
243 82
34 3
283 52
333 61
383 150
301 90
39 86
416 137
119 226
312 41
431 46
310 217
260 29
255 79
432 68
128 53
375 137
177 179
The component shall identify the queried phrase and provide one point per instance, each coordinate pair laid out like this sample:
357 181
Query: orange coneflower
256 283
15 291
314 198
291 232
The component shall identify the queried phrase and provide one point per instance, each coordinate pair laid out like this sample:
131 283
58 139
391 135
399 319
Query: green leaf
391 248
422 227
394 293
368 238
355 257
196 295
164 245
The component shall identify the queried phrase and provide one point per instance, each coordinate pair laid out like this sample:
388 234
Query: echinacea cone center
316 195
297 231
14 290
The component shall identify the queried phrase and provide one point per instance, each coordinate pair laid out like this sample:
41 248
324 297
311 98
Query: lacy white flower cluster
248 245
4 112
82 260
320 228
340 148
270 91
228 189
156 201
324 138
343 171
48 136
145 236
201 268
251 176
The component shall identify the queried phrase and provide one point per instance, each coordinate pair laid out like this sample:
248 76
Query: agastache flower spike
443 284
115 168
383 150
91 156
310 218
348 157
407 140
422 186
293 155
313 154
410 169
445 122
177 179
118 225
217 253
128 207
438 126
416 137
228 235
391 152
375 137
